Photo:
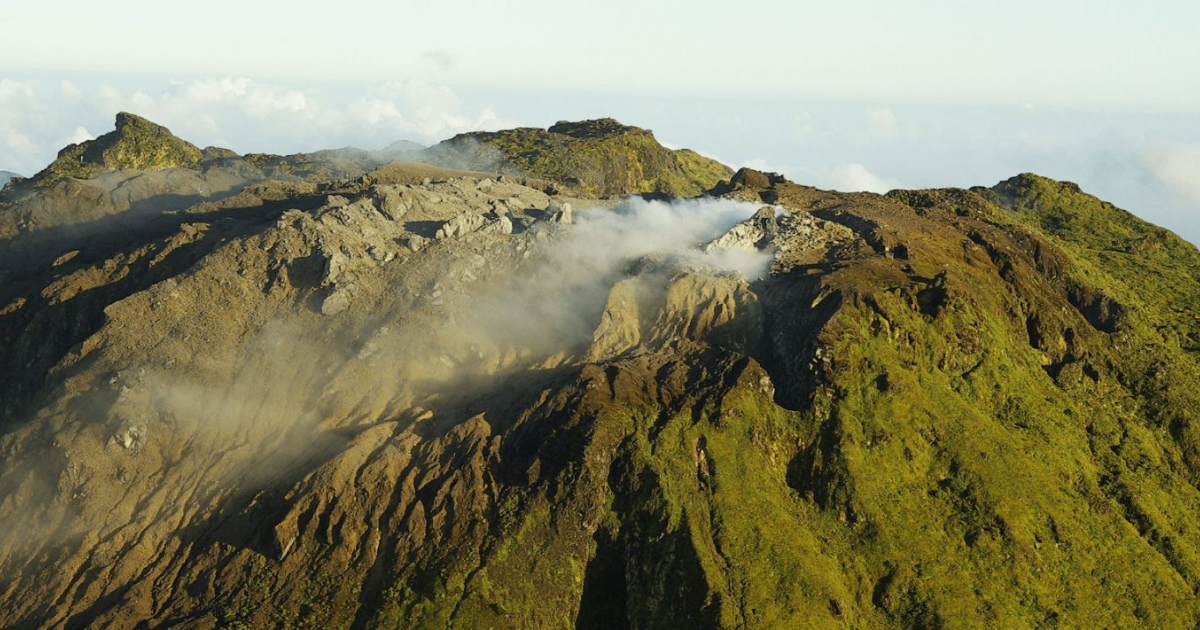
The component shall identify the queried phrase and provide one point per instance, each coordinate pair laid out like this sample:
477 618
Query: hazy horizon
862 95
1144 162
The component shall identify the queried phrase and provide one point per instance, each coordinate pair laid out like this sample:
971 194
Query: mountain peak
596 157
126 120
135 143
597 128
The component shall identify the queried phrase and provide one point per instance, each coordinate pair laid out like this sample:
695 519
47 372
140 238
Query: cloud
851 177
881 122
79 135
1177 166
21 115
440 59
556 300
855 177
37 119
802 124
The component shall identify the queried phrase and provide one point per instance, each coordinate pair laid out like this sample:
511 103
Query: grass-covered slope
1138 263
597 157
135 144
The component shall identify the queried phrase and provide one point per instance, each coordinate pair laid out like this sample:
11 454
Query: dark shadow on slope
38 335
30 252
603 604
795 310
424 229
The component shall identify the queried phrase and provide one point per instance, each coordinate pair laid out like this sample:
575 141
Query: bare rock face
644 315
502 225
757 232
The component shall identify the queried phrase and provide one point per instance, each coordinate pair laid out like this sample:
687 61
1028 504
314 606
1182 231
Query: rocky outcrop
757 232
647 314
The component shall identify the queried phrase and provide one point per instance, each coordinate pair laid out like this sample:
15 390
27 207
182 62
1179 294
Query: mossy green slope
136 144
596 157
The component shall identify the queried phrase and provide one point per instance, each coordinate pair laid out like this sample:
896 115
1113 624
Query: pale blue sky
854 94
1046 52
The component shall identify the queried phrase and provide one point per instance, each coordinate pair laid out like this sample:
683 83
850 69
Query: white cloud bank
881 123
39 118
851 177
1178 167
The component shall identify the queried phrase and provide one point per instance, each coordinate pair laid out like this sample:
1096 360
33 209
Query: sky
851 95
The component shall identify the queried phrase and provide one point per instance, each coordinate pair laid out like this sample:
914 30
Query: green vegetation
135 144
1137 262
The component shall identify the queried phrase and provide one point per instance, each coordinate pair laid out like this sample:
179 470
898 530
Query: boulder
560 214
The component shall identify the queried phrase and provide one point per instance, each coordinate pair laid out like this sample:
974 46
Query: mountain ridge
417 397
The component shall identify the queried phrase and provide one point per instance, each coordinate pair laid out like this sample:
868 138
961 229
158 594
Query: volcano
569 377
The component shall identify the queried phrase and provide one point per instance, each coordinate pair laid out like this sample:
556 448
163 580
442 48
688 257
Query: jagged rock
469 222
335 266
336 302
503 225
755 233
390 201
642 315
560 214
131 439
460 225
